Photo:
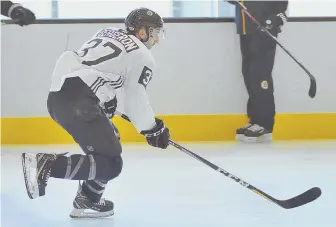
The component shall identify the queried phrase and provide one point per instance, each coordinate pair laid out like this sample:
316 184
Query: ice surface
170 189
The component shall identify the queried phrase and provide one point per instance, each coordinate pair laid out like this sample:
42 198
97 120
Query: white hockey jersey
110 60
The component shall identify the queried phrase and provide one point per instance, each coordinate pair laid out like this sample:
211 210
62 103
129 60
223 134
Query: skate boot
257 133
240 132
84 207
36 171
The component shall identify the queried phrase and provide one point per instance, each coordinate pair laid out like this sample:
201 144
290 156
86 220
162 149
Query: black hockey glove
276 22
158 136
21 16
110 107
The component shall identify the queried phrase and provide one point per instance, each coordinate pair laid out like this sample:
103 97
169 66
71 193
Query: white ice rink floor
171 189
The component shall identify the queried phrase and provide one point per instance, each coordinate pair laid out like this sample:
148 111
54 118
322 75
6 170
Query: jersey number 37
115 52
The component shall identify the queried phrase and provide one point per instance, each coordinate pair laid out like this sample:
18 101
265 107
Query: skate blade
80 213
240 137
260 139
28 162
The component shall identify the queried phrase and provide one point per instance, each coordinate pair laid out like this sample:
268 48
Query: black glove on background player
110 107
276 22
158 136
21 16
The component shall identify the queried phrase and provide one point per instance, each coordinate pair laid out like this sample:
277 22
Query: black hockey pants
76 109
258 53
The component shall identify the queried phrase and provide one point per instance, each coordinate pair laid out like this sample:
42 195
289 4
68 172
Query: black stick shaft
224 172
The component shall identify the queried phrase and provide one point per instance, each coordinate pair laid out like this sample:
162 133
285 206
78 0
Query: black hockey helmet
148 19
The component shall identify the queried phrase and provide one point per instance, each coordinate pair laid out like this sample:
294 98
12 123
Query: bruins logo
149 13
264 84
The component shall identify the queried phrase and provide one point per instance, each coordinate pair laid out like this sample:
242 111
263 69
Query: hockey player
20 15
258 55
83 97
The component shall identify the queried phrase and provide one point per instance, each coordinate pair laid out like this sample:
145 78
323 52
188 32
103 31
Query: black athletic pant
258 53
76 109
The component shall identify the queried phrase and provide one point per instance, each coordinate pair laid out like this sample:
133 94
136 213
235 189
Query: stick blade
302 199
312 89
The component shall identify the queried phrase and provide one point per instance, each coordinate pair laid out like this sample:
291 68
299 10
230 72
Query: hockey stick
312 89
302 199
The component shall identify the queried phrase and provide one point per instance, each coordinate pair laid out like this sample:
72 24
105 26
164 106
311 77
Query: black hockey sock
74 167
87 167
94 189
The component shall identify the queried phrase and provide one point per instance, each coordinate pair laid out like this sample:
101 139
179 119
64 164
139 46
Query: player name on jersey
121 37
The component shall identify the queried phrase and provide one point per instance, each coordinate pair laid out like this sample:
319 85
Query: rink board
193 128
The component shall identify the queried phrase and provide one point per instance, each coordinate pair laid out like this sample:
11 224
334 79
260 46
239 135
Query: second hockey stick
302 199
312 89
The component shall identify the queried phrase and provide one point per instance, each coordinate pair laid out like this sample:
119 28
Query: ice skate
240 132
36 171
256 133
83 207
